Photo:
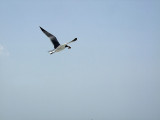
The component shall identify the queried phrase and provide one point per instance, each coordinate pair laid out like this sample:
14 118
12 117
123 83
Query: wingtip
75 39
40 27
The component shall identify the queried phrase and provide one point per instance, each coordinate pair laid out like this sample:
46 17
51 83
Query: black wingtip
41 28
75 39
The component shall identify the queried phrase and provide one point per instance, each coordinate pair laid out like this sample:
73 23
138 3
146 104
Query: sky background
111 73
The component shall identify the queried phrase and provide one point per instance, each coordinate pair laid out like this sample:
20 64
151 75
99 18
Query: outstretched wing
75 39
52 38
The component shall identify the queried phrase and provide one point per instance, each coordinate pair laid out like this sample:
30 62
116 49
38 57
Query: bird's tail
51 52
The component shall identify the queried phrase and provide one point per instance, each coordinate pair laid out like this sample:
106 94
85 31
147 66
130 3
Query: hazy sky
111 73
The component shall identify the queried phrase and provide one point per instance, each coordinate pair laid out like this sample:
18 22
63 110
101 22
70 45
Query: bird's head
69 47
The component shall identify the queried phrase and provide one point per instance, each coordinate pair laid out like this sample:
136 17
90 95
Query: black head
69 47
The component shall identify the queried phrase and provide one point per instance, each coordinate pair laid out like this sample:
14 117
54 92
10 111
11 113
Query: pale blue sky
111 73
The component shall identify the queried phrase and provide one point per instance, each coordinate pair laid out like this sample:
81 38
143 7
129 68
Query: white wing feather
72 41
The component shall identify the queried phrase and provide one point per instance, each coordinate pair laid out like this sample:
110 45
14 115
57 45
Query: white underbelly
59 48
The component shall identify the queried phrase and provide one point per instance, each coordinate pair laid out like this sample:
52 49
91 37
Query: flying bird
57 46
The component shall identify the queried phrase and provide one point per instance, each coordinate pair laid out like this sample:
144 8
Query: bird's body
58 47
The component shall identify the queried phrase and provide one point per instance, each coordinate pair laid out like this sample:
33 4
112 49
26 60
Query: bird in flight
57 46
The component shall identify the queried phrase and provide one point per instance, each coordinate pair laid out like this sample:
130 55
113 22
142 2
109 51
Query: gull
57 46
